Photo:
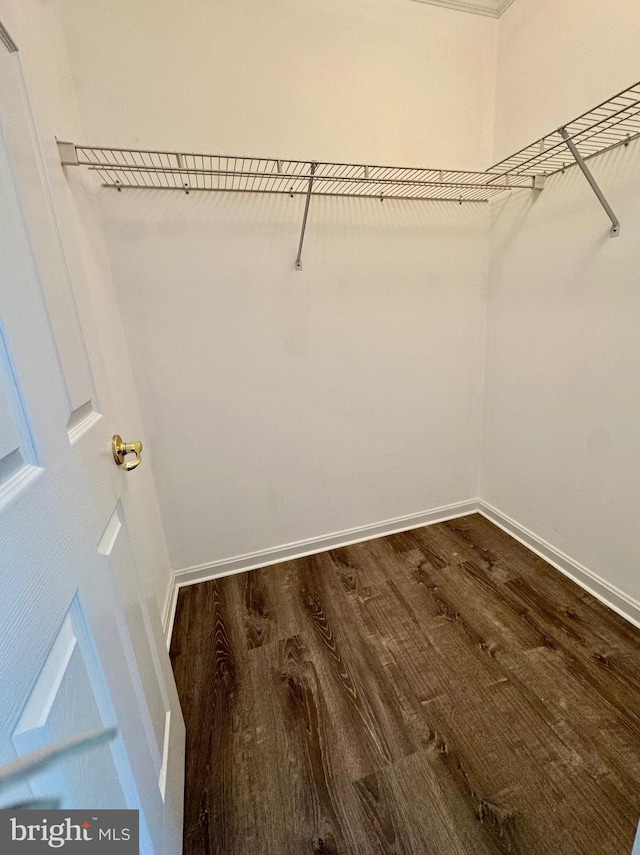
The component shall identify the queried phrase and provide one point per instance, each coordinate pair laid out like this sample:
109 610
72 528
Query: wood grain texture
441 691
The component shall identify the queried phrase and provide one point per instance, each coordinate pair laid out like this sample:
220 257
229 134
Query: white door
80 641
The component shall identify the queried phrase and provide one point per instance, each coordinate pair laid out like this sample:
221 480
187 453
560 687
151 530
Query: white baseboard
290 551
602 590
169 610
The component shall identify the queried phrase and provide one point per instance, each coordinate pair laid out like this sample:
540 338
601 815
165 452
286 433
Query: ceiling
491 8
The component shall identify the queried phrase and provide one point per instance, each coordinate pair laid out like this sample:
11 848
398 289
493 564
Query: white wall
562 420
558 59
378 81
283 405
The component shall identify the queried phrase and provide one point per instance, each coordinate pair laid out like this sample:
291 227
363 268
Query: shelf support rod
615 227
314 166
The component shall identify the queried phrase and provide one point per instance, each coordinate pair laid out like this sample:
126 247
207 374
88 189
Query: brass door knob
121 449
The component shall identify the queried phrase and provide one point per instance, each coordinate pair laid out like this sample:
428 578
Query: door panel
64 702
17 447
44 236
28 349
79 643
116 547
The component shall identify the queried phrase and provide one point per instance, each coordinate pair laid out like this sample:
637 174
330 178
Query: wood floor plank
496 548
457 716
414 806
442 690
223 813
363 564
554 676
270 608
351 669
297 756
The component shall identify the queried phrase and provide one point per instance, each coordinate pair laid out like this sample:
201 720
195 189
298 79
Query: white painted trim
162 779
169 610
490 8
300 548
602 590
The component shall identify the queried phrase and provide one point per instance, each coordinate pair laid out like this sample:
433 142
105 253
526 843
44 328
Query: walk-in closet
319 485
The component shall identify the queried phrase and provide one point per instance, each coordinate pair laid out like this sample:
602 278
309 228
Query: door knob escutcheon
121 449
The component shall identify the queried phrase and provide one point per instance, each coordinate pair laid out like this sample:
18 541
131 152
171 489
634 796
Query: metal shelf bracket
615 227
68 153
314 166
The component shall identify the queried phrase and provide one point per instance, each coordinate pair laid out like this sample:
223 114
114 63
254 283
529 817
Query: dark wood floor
437 692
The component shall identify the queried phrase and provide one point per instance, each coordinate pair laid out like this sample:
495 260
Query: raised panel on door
71 697
33 414
137 639
18 455
37 206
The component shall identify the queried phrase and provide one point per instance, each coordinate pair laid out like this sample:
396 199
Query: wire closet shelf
612 123
135 168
